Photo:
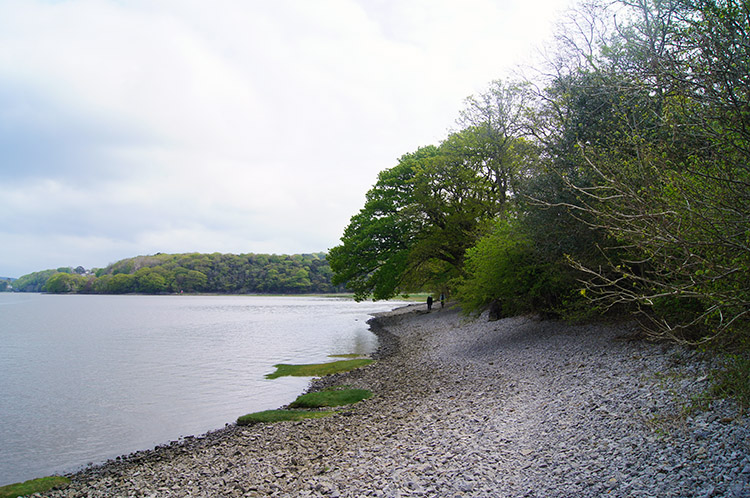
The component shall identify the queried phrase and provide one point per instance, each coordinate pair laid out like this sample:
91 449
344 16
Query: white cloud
232 126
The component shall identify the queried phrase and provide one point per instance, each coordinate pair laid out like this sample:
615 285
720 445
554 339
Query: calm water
87 378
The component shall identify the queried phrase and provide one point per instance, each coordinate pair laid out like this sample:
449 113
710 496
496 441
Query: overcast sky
132 127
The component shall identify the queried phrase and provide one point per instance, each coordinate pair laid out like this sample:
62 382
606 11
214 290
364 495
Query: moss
317 369
40 485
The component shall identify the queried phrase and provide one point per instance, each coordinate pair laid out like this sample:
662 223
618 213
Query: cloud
137 127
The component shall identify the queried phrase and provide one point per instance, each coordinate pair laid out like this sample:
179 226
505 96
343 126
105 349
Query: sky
131 127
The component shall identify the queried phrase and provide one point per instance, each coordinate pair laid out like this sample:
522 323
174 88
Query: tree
492 122
121 283
374 255
150 281
666 175
33 282
189 280
422 215
64 283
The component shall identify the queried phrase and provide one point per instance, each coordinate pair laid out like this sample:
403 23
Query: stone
472 408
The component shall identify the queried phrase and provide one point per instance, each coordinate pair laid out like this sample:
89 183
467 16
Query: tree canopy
617 180
190 273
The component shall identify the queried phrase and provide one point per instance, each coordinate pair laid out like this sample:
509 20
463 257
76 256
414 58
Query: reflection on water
86 378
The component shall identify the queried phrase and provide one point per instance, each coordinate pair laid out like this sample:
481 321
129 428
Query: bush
733 380
504 266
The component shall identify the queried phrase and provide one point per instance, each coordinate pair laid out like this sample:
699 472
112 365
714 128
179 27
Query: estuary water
87 378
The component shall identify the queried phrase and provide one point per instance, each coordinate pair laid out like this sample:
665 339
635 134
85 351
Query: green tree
189 280
665 172
506 267
422 215
150 281
33 282
121 283
64 283
488 144
374 255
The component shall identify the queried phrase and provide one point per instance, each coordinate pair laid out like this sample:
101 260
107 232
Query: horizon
233 127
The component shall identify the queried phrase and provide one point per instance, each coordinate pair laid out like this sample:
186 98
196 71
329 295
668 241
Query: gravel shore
516 407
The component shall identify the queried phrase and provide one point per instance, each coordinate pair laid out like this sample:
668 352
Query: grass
331 397
270 416
732 380
40 485
317 369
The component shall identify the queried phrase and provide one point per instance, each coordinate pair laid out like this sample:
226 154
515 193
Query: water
88 378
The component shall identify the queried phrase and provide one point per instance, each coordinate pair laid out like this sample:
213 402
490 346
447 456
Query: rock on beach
467 407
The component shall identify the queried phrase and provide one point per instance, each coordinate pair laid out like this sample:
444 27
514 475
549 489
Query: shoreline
472 408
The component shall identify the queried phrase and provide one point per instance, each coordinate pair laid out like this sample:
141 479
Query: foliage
665 168
64 283
271 416
374 254
331 397
504 266
317 369
423 214
732 380
625 172
189 273
32 486
33 282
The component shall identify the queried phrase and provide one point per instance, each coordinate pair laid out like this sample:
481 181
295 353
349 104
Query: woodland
615 178
191 273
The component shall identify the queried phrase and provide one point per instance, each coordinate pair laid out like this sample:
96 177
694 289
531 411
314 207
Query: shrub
504 266
733 380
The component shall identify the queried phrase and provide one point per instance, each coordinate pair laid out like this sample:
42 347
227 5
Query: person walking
429 303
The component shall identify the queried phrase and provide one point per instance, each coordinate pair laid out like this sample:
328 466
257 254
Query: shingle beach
467 407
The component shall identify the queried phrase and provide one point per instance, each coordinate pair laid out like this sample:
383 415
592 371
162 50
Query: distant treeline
193 272
5 283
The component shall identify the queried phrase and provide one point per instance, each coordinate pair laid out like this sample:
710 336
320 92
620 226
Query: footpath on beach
462 407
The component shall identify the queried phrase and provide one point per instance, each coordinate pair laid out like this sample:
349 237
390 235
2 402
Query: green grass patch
40 485
270 416
317 369
331 397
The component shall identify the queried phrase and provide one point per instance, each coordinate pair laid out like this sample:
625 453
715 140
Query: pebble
472 408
